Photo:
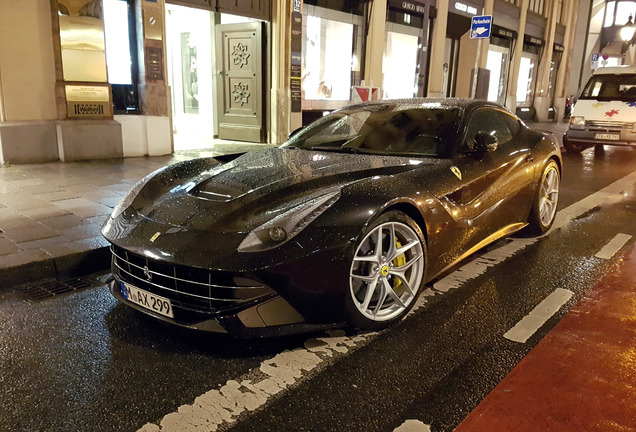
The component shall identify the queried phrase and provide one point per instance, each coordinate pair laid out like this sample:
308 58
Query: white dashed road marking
539 315
613 246
258 386
413 426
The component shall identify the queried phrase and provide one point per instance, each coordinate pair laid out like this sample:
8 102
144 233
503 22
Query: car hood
242 194
612 111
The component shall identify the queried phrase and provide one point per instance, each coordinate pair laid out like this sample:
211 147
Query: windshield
425 130
620 87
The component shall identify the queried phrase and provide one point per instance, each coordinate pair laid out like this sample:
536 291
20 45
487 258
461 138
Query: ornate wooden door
239 60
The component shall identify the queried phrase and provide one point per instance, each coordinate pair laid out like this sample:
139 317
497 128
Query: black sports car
341 225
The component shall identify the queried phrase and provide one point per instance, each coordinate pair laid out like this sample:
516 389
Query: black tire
573 146
546 200
385 282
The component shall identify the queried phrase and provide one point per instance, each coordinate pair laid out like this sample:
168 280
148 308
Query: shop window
497 63
525 79
403 43
331 57
400 65
328 57
121 58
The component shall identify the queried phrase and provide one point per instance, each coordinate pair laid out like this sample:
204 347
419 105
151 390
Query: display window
497 63
525 79
121 55
189 48
330 57
399 65
404 46
528 69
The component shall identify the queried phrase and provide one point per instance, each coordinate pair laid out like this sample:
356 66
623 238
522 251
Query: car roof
464 103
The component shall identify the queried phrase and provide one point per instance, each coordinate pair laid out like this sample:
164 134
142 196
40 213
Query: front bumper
592 137
251 322
296 296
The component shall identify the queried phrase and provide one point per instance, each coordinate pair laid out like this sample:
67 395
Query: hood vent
213 196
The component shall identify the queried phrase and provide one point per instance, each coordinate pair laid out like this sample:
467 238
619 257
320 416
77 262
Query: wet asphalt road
81 362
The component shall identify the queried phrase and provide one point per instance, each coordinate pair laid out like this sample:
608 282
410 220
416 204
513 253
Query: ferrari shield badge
154 237
457 172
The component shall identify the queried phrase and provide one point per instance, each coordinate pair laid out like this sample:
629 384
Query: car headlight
577 122
287 225
130 196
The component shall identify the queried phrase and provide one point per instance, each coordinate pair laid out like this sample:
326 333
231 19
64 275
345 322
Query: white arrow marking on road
246 393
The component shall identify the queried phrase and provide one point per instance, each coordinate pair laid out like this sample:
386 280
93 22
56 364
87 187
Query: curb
77 264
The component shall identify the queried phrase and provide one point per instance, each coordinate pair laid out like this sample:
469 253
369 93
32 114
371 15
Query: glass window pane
399 66
328 48
524 82
494 62
609 13
623 10
117 42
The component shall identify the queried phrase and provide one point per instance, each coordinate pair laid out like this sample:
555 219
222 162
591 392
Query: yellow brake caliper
398 262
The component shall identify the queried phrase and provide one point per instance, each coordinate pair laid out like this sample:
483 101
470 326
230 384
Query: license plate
614 137
148 300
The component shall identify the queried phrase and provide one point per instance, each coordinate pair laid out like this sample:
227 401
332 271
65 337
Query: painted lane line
219 407
610 194
538 316
254 389
413 426
613 246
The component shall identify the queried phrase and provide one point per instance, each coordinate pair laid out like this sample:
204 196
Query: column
511 99
477 90
436 71
375 44
568 46
282 121
541 98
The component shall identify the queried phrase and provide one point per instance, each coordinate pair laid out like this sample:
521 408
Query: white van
605 114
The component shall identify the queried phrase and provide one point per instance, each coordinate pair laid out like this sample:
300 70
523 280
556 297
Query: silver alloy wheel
386 272
549 195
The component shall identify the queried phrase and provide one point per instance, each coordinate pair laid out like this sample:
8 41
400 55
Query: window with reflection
617 12
121 62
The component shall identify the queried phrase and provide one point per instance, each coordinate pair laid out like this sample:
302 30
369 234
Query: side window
513 124
490 121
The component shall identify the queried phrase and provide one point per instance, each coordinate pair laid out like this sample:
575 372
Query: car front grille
608 126
191 288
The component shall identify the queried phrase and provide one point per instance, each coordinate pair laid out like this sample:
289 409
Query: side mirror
485 142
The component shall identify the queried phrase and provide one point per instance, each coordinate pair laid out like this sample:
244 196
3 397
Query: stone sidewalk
51 214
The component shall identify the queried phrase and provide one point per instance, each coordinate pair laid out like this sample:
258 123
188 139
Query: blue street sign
480 26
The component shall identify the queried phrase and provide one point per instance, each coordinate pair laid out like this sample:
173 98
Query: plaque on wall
87 101
154 63
86 93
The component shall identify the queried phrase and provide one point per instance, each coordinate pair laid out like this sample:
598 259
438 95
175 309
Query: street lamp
627 34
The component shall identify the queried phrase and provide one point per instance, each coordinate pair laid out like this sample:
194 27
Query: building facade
92 79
